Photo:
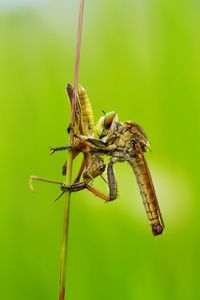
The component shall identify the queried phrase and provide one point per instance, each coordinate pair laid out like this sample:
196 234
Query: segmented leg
42 179
102 147
95 168
72 188
53 150
81 186
112 184
97 143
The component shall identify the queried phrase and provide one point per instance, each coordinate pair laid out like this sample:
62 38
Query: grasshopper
84 126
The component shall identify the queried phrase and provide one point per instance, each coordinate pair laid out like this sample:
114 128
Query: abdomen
143 176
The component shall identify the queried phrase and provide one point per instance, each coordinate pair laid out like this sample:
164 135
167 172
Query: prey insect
121 142
92 163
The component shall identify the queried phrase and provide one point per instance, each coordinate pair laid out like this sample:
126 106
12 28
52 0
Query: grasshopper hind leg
94 169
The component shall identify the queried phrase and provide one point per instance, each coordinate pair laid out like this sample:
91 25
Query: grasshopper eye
108 119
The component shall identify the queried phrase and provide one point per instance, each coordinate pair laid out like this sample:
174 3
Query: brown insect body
132 136
127 143
122 142
147 191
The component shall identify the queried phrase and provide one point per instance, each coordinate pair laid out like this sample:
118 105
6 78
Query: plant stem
63 255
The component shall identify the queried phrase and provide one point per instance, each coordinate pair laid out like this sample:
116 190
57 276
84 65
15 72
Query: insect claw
107 201
52 150
58 197
104 179
66 188
31 183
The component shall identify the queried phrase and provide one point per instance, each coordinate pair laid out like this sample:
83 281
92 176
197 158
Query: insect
128 142
84 125
121 142
84 121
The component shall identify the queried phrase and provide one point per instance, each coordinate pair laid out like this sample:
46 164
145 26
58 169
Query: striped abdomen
87 120
147 192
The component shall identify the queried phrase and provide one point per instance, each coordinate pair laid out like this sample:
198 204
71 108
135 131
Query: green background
141 59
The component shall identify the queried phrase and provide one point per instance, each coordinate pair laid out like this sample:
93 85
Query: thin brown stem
63 255
76 69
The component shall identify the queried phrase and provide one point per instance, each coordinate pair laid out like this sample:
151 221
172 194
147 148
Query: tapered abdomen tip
157 229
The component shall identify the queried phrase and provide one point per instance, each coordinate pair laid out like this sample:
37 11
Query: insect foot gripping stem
53 150
74 187
157 229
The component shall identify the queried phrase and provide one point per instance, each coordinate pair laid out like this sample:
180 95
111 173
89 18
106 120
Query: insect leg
104 179
95 167
98 193
78 186
52 150
112 184
83 185
42 179
97 143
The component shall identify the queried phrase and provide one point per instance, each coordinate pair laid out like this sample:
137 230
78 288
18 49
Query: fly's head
109 120
107 124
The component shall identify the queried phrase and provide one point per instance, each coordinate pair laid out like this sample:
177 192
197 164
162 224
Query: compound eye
108 119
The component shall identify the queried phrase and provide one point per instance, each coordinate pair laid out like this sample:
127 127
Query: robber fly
121 142
128 142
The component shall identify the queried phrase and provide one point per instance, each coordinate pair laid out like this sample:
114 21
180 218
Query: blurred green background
141 59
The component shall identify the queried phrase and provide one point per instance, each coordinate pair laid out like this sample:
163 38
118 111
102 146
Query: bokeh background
141 59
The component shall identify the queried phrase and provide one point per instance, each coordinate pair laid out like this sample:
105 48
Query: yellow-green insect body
86 113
